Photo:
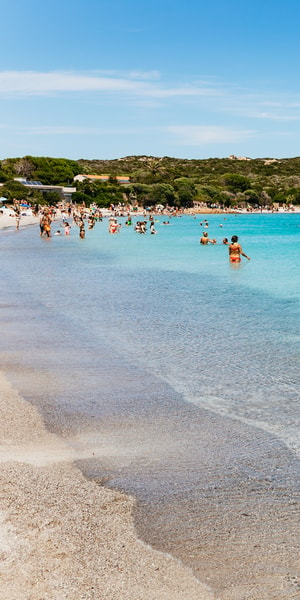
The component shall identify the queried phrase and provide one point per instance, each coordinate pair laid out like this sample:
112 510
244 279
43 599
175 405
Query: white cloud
29 82
146 89
277 116
64 130
258 106
282 104
184 91
135 84
149 75
194 135
186 135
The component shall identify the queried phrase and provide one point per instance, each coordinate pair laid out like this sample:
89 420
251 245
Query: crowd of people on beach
83 217
78 215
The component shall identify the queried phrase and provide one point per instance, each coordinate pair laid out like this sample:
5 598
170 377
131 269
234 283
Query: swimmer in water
236 251
205 239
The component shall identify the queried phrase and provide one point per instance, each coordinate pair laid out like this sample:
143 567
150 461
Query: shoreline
63 536
43 493
8 222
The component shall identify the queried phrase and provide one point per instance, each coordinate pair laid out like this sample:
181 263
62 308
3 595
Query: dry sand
6 221
62 536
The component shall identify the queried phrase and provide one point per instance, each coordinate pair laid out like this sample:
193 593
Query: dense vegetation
176 182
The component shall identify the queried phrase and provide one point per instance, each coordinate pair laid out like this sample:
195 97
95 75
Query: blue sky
107 79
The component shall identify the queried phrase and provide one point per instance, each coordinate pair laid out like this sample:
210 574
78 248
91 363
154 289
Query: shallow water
181 374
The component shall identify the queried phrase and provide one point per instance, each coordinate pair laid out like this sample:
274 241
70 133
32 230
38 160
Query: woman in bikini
235 250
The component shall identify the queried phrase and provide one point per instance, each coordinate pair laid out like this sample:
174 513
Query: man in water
235 250
205 239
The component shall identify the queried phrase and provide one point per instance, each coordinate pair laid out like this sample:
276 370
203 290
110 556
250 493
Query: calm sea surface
179 371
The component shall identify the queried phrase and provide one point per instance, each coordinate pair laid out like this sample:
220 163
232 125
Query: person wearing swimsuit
235 251
205 239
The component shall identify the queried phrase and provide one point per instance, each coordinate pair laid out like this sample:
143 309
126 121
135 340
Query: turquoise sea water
180 370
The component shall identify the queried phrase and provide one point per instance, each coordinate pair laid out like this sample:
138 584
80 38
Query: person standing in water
204 240
18 218
46 225
82 229
236 251
152 228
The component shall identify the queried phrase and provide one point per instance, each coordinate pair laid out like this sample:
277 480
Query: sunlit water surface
180 370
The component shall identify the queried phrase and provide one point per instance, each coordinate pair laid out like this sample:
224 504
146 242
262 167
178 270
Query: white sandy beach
7 221
62 536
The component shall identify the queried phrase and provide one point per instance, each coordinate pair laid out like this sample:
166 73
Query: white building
65 192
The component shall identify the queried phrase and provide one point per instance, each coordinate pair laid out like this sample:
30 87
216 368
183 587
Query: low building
233 157
65 192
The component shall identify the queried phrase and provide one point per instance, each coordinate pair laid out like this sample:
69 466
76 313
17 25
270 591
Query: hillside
168 180
284 172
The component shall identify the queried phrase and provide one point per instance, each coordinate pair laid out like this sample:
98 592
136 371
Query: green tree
293 196
102 193
236 183
36 197
162 193
155 166
14 189
252 197
141 193
280 197
24 167
52 171
52 198
81 197
3 177
186 192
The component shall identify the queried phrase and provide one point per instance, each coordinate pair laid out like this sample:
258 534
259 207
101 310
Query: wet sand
62 536
225 500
